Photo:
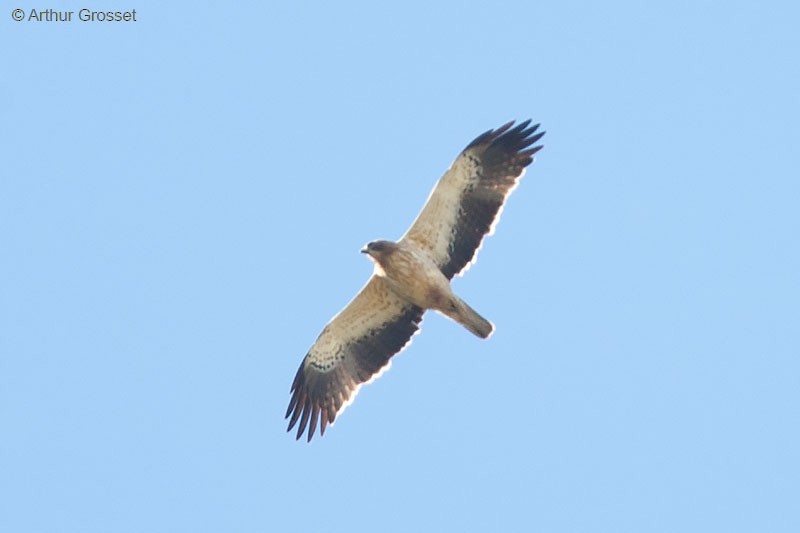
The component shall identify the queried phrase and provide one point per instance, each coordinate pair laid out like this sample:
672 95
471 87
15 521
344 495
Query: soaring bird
411 276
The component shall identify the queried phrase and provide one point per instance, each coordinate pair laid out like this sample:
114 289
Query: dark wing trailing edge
354 347
467 201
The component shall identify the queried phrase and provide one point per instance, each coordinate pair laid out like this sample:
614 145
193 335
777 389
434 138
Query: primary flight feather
412 276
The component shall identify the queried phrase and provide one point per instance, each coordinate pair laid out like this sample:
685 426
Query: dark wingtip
536 137
519 135
489 135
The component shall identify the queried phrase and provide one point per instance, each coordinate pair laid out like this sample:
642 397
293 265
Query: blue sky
183 199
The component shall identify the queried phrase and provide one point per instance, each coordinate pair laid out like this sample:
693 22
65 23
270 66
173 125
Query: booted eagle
412 276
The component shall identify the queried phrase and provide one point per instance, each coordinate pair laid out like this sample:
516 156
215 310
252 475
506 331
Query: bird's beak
364 250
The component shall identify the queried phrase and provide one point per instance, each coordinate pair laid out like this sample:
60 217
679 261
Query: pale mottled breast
412 273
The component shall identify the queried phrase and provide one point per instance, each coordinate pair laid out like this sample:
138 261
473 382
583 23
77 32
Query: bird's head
378 249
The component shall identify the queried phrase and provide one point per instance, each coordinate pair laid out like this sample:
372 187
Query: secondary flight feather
411 276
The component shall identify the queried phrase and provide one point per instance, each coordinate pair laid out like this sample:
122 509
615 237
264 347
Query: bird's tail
470 319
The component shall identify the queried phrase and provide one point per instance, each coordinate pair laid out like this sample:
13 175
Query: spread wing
354 347
466 202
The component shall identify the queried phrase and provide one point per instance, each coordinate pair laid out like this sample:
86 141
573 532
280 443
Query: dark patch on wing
502 155
319 394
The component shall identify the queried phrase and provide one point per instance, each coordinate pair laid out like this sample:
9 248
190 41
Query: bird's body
411 273
411 276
